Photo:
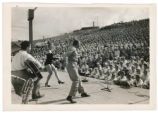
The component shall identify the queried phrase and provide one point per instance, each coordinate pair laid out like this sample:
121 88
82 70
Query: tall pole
30 19
31 33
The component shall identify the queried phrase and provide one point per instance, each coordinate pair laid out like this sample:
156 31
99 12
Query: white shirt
19 59
72 55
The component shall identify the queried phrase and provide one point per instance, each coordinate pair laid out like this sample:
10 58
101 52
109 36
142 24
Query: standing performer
19 68
50 67
72 68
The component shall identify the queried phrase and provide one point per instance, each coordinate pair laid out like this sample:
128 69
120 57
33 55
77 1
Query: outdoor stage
57 93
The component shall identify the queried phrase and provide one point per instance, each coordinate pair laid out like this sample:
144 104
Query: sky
53 21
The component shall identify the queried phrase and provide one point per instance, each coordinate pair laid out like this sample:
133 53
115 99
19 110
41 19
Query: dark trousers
18 83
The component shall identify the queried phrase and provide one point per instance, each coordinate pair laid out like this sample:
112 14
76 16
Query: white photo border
8 106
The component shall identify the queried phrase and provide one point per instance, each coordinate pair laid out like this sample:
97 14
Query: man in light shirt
71 60
19 69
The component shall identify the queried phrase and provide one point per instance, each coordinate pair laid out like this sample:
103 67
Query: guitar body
23 81
35 71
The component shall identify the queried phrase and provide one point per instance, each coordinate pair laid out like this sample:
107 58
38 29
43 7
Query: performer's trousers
74 76
17 84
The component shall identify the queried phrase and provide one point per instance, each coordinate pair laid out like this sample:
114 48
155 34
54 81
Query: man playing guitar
19 69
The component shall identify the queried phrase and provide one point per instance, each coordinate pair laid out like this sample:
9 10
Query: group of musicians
19 69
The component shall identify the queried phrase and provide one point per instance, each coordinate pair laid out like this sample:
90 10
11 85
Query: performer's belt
18 71
16 77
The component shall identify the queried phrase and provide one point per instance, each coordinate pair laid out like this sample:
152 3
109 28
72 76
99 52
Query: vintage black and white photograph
80 54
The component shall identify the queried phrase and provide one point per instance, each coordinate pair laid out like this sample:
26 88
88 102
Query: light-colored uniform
72 69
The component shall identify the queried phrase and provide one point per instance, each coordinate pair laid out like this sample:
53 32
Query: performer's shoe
109 89
84 80
85 95
69 98
46 85
37 97
60 82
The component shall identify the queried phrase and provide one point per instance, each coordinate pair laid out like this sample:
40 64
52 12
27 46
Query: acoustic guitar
34 69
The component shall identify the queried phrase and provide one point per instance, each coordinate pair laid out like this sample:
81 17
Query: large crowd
118 54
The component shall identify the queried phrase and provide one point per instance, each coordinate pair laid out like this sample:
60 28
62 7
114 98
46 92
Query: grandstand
132 35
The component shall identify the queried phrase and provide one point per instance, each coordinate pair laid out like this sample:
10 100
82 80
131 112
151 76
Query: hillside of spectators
118 53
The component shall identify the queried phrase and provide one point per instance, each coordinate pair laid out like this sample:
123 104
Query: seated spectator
146 83
95 73
133 71
116 52
117 79
105 70
127 81
145 79
100 70
116 71
138 81
111 72
84 70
